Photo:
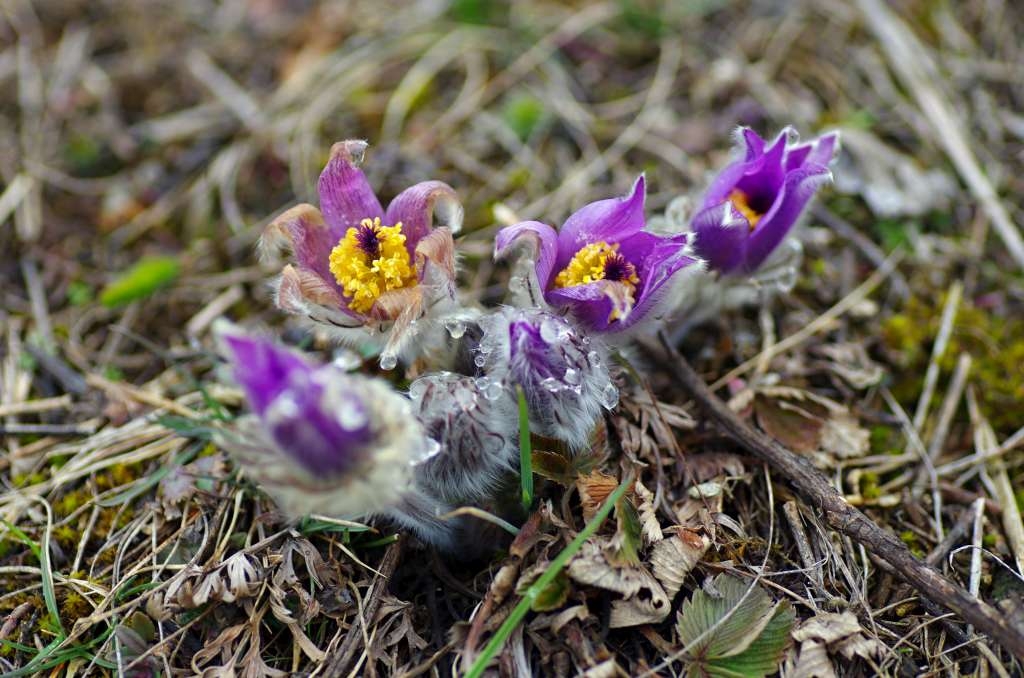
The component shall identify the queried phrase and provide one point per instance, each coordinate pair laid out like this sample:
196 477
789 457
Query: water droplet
494 390
456 328
572 376
351 413
388 361
346 360
549 330
610 396
594 358
430 448
480 360
465 397
417 389
551 384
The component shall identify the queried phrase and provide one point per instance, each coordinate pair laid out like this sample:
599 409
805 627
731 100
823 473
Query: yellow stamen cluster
364 273
590 264
741 201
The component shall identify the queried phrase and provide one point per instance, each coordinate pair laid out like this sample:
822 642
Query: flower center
370 260
741 201
600 261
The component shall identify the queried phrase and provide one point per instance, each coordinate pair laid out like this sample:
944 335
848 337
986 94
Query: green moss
995 343
869 485
67 536
28 479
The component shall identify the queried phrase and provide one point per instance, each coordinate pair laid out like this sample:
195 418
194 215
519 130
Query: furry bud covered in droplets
474 421
563 372
320 440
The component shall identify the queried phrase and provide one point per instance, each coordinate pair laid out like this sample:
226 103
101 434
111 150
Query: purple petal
345 195
750 149
668 257
817 152
824 149
611 220
546 242
589 304
723 184
311 241
764 178
773 227
750 142
721 233
323 431
528 350
417 206
637 247
263 369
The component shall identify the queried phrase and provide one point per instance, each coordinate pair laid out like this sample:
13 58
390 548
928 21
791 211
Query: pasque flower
360 269
752 204
321 440
562 372
602 266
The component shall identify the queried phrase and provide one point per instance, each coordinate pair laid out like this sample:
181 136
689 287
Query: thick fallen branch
816 489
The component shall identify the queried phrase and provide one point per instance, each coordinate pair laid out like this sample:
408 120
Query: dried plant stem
339 663
837 512
909 60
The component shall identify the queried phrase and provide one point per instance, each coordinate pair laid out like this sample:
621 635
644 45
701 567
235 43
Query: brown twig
816 489
339 664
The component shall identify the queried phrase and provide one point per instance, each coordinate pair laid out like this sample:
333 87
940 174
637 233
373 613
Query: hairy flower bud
321 440
563 372
474 421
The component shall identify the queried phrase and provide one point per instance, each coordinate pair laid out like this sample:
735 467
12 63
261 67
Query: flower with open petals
602 266
363 271
562 372
321 440
753 203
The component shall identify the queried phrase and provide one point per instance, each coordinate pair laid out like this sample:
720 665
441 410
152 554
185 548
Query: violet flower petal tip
346 197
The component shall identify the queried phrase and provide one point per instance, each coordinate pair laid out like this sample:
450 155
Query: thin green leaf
557 566
140 281
42 554
525 450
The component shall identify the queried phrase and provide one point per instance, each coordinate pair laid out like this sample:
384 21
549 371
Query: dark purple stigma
617 269
366 238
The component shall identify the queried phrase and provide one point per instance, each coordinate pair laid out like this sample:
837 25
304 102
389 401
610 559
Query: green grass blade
548 576
525 451
42 554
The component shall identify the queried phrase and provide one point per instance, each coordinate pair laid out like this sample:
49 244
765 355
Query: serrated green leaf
764 654
140 281
735 631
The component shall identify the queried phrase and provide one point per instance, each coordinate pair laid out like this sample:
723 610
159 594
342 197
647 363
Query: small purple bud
321 440
563 373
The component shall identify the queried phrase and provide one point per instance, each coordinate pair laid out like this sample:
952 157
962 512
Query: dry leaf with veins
643 599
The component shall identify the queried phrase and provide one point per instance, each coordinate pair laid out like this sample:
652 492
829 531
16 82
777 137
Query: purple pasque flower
602 266
321 440
562 372
360 269
476 425
753 203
